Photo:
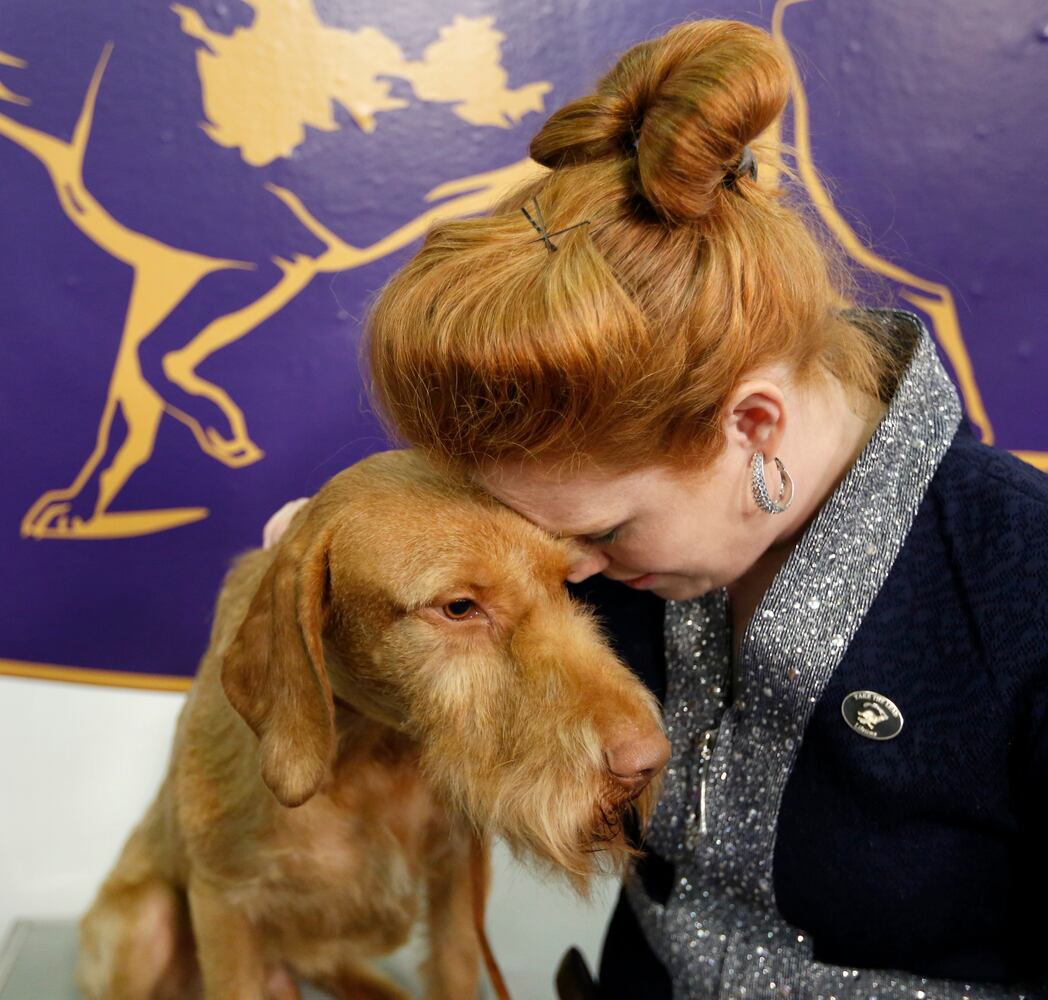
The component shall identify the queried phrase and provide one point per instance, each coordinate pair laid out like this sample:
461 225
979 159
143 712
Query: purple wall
140 236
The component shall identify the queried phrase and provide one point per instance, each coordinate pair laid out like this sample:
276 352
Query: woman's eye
460 609
606 539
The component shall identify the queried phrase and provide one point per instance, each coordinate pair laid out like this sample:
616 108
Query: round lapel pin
872 715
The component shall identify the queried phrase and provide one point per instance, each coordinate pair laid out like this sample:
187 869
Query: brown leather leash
477 876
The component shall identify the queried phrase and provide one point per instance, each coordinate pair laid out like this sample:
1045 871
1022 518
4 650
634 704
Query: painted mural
199 199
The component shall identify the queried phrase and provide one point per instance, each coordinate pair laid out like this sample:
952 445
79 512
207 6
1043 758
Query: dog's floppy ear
273 672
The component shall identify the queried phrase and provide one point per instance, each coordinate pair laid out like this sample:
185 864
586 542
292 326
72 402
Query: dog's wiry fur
347 738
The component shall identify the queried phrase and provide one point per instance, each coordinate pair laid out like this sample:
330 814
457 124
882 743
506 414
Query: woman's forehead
569 502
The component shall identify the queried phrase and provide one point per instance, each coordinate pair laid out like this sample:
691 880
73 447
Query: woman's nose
589 561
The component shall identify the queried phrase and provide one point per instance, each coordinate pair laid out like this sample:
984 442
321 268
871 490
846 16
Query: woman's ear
755 418
273 672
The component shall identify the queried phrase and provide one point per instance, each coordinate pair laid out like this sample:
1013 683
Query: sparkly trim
719 933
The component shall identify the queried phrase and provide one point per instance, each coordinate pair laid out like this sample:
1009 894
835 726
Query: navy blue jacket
928 853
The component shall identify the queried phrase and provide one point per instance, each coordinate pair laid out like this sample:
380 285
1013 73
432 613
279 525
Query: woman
839 595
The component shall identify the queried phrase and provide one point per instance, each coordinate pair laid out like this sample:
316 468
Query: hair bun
684 105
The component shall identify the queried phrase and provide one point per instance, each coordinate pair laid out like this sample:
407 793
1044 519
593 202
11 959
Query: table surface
38 958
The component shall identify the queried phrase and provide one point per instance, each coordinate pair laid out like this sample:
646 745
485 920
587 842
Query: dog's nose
634 762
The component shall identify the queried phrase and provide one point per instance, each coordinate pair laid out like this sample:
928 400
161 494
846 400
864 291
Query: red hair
622 346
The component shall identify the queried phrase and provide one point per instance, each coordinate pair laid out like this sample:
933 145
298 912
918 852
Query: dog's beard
541 785
609 838
619 824
589 826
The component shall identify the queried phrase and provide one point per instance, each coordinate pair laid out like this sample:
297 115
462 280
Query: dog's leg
135 940
361 982
130 942
452 971
228 947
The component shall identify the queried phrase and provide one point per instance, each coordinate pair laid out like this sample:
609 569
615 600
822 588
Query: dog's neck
361 737
350 698
356 708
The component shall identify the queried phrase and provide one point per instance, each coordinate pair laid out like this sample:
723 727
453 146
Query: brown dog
403 669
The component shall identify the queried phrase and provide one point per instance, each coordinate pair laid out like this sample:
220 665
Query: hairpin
540 226
746 167
635 128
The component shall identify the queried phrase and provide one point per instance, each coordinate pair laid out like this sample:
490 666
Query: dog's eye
460 609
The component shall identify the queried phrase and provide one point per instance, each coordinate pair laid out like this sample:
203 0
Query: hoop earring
761 496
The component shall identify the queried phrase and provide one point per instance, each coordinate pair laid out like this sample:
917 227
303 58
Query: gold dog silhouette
461 67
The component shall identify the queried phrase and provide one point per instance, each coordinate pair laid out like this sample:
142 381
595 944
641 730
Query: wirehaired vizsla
401 674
